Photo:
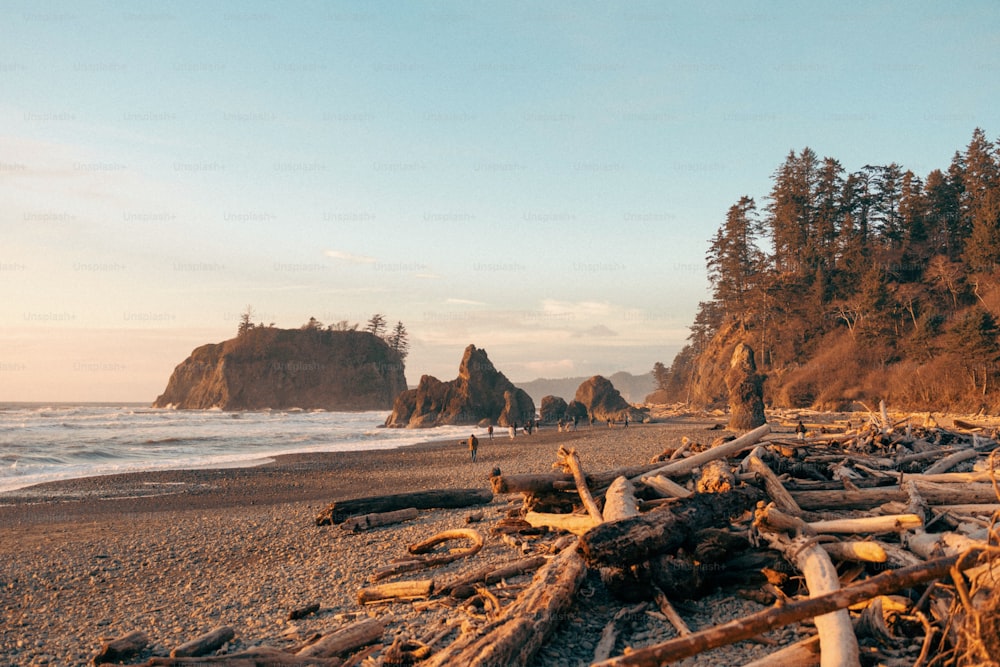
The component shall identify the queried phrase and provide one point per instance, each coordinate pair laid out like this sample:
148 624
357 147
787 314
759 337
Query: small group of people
473 442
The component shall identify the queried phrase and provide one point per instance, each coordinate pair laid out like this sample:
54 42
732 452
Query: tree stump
746 391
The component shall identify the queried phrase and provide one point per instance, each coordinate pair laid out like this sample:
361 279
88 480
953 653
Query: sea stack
746 391
479 393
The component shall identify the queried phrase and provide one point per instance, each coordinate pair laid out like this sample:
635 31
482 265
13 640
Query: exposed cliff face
480 392
288 368
602 401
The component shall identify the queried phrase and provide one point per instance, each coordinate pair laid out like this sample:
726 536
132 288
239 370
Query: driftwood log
263 656
463 586
356 524
637 539
731 448
341 510
525 624
420 562
776 617
205 644
121 648
345 640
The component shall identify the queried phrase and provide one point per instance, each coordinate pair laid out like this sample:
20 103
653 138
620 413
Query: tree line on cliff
398 338
856 286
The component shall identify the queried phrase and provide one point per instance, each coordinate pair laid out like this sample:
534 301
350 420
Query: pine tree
398 340
376 325
734 260
982 204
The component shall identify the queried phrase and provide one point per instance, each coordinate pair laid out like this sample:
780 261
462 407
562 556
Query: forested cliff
857 286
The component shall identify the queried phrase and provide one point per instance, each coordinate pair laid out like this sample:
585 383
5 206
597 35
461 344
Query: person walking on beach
512 430
800 430
473 446
490 431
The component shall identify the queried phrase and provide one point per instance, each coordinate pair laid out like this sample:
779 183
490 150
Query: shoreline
177 553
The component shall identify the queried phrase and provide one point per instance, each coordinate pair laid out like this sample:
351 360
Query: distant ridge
633 388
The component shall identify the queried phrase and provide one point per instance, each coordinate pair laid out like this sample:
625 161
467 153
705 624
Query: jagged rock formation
480 392
602 401
267 367
553 409
746 391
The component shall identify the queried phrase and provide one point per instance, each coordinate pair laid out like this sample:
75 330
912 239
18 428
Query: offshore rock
602 401
480 392
266 367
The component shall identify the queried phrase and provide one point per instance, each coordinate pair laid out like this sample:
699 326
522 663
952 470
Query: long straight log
635 540
341 510
397 590
525 624
950 461
263 656
578 524
204 644
569 460
346 639
776 617
357 524
545 483
934 494
775 489
731 448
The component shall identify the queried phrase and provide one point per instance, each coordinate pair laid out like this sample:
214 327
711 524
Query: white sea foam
42 443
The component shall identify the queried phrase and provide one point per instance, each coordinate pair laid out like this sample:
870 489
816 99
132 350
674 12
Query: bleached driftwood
666 487
724 450
262 656
892 523
856 551
571 462
950 461
775 489
397 590
838 643
578 524
619 500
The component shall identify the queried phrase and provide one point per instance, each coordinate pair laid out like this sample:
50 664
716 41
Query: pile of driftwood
867 534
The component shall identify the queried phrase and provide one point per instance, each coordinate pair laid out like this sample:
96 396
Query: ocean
44 442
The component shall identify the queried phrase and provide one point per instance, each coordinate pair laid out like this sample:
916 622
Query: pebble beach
178 553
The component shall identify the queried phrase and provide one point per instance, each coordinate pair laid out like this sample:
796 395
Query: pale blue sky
537 178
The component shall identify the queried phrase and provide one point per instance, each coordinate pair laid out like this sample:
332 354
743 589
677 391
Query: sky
539 178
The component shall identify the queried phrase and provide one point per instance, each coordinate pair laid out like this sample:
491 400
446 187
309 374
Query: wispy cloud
465 302
349 257
598 330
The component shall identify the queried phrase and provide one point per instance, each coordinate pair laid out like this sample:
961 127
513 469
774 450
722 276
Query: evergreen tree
376 325
246 321
734 260
982 204
398 340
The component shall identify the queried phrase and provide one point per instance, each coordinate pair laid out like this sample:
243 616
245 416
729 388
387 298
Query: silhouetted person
473 446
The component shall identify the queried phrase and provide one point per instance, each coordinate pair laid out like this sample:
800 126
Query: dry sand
176 554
